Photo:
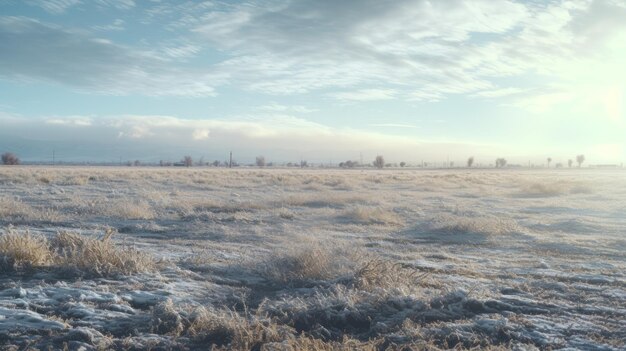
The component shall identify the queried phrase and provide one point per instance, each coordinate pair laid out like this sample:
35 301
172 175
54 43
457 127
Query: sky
323 80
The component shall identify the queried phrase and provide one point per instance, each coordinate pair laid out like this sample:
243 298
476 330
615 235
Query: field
271 259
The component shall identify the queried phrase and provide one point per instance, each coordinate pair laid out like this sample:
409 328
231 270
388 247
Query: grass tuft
23 250
99 257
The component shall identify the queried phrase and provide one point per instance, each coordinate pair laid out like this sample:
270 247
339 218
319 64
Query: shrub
187 161
9 158
379 162
470 161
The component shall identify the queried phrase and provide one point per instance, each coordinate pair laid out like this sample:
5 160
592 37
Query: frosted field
169 258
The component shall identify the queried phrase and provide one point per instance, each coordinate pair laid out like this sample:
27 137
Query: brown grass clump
133 210
306 264
377 273
99 257
230 331
486 225
166 320
23 250
372 215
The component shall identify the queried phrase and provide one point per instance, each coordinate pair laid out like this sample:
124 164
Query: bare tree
187 161
137 163
580 159
549 161
379 162
402 164
304 164
500 162
470 161
569 163
9 158
260 161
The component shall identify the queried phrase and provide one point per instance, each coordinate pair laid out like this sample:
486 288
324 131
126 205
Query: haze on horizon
316 80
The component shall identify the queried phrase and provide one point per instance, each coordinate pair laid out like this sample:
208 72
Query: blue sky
321 80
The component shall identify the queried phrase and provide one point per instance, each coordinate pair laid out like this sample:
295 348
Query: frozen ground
321 259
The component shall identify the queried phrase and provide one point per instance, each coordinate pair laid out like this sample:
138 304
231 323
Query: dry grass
486 225
375 273
230 331
554 188
15 210
23 250
327 199
126 209
371 215
306 264
69 251
99 257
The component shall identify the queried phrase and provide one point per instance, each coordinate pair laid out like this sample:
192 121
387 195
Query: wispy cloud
54 6
69 57
274 107
366 95
392 125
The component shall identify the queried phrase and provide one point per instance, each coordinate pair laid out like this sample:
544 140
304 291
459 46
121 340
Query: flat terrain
250 259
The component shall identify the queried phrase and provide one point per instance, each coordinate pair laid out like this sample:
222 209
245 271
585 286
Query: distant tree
470 161
549 161
304 164
580 159
187 161
348 164
402 164
260 161
216 163
569 163
500 162
137 163
9 158
201 162
379 162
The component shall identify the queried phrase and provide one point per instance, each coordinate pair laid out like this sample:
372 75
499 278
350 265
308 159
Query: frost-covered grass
248 259
71 252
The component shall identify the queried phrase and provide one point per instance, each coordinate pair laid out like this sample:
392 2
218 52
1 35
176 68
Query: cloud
72 58
423 50
116 25
54 7
392 125
78 121
274 107
408 49
297 47
366 95
279 137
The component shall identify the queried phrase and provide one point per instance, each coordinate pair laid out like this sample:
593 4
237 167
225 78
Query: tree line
9 158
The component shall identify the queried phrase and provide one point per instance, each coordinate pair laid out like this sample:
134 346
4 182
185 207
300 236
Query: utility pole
230 160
